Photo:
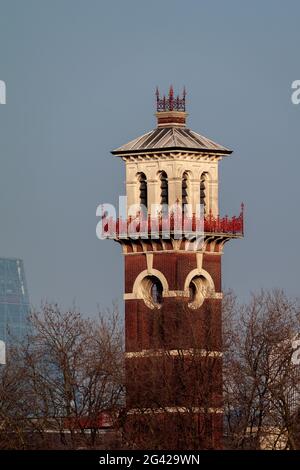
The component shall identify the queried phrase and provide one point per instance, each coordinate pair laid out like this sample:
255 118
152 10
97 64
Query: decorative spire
170 103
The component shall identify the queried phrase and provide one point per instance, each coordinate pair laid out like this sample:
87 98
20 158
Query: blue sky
80 79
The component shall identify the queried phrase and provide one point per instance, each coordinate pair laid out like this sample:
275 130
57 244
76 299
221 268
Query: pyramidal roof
171 139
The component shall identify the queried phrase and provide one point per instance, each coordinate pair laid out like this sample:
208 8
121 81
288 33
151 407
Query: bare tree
69 372
261 385
13 405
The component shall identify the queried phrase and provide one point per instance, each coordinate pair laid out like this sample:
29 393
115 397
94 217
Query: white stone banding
172 352
176 409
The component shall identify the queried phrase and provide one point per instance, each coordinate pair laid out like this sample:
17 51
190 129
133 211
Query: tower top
171 133
170 110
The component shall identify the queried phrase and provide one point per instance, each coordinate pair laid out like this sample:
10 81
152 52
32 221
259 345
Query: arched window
152 291
164 190
204 196
185 188
198 290
143 190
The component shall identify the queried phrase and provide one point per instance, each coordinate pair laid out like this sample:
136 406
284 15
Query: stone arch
145 273
199 272
202 285
182 169
143 287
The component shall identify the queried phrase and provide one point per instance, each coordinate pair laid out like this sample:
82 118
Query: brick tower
173 324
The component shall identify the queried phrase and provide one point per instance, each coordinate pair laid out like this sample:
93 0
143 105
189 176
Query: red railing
140 226
234 225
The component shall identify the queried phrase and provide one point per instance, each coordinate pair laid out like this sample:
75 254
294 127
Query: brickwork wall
168 380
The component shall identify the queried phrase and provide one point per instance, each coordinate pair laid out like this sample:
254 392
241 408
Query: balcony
172 225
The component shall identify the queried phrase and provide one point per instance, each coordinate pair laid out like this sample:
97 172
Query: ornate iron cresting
146 225
171 103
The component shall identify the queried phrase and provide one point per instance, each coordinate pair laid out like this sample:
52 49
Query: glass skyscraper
14 300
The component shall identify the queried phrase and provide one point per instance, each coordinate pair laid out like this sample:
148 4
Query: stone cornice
190 156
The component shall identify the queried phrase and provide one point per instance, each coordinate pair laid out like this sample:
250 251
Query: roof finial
170 103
